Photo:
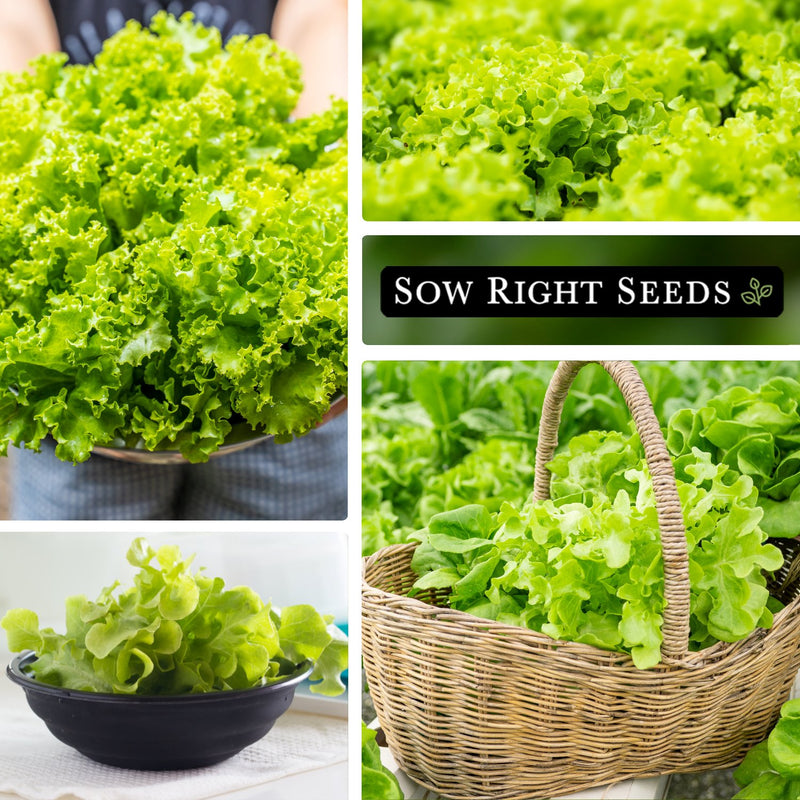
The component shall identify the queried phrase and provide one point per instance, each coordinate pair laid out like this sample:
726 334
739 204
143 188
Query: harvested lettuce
172 246
757 433
175 632
586 566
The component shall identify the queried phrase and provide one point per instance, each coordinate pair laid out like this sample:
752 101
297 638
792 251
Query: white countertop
327 782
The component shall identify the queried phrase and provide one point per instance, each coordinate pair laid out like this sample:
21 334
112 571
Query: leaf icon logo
758 294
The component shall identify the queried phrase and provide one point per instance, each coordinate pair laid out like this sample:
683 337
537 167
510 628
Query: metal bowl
157 732
241 437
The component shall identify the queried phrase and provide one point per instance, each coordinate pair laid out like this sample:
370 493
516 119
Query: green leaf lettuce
172 246
178 632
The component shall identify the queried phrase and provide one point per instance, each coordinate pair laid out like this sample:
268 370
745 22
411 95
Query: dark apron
84 24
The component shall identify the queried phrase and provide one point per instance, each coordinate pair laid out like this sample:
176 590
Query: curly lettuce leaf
173 246
584 110
757 433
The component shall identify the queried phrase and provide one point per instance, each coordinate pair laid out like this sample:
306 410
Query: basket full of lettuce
617 624
172 246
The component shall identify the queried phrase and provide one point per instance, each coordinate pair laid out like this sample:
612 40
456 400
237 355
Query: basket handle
675 628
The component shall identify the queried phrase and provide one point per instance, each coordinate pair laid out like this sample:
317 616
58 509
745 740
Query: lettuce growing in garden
583 109
437 436
771 770
178 632
172 246
377 782
757 432
449 449
586 565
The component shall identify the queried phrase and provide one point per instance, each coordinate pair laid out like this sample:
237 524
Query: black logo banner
471 291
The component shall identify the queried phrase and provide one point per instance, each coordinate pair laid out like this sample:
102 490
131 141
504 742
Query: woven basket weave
473 708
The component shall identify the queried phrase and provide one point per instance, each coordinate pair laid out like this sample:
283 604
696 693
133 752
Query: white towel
36 766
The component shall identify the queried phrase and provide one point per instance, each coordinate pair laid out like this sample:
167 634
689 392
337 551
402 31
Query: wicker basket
477 709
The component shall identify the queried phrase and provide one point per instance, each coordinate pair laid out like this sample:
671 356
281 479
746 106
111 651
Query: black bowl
157 732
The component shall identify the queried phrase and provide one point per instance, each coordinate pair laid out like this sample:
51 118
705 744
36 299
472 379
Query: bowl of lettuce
155 733
175 672
172 246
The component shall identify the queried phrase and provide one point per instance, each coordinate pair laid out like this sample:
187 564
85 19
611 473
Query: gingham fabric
303 479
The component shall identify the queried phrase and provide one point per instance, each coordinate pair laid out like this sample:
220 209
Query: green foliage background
439 435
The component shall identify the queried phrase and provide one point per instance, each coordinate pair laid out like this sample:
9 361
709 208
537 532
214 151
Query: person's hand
316 32
27 29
